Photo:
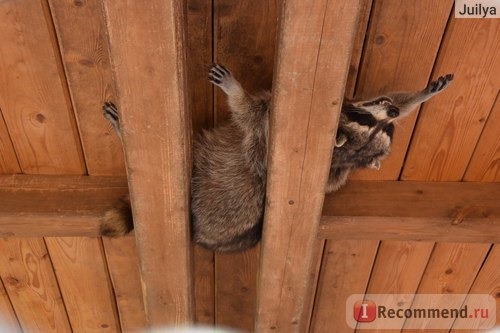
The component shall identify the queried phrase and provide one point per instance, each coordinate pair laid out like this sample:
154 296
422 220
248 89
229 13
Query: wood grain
429 211
487 282
306 105
398 269
357 51
151 85
345 271
401 46
84 281
449 126
84 48
447 274
8 319
251 60
236 285
26 270
8 158
123 264
56 205
200 54
34 104
455 131
204 286
484 164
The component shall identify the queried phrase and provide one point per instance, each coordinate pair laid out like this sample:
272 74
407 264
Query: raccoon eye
393 112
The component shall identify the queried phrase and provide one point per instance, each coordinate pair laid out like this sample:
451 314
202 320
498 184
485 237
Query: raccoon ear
341 139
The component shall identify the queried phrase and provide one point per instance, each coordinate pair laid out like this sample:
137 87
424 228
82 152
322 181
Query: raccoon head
381 108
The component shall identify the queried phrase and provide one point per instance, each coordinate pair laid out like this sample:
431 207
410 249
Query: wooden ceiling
56 73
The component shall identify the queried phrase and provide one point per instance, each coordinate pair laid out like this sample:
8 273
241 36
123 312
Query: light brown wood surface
8 317
484 164
8 158
447 275
123 266
85 53
357 51
345 271
306 105
84 282
151 85
26 270
34 103
398 269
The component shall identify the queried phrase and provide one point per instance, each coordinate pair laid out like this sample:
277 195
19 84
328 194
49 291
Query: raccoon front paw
219 75
110 112
440 84
222 77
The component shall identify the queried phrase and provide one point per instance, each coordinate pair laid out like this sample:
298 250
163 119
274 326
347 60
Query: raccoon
228 182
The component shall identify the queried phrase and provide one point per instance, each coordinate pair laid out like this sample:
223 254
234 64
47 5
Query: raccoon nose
393 112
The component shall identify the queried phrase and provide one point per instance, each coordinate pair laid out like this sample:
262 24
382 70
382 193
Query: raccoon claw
440 84
218 74
110 112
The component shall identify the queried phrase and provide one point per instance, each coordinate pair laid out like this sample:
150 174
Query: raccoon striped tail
117 221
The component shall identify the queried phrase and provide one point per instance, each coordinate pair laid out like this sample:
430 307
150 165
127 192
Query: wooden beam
40 205
426 211
313 53
147 47
35 206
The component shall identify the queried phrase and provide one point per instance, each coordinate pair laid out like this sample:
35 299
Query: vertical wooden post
148 55
313 54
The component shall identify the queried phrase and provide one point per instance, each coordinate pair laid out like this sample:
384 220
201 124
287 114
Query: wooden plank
26 270
236 289
199 44
487 282
8 319
150 77
251 59
443 211
455 131
357 51
314 45
34 103
409 229
84 283
484 165
397 270
56 205
345 271
85 53
414 199
445 136
447 274
123 264
448 211
402 43
8 158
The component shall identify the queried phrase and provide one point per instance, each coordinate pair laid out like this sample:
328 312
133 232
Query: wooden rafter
313 54
147 47
432 211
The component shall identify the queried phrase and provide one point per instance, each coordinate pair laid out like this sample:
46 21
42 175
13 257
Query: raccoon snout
393 112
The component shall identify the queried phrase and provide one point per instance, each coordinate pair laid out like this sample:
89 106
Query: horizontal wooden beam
56 205
431 211
422 211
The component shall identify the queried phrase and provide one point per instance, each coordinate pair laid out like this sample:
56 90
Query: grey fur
230 162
